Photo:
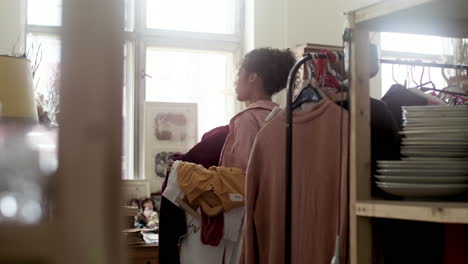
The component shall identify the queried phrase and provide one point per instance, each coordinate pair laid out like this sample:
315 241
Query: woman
263 73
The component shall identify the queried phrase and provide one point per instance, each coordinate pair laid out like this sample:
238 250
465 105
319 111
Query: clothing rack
288 159
288 167
426 64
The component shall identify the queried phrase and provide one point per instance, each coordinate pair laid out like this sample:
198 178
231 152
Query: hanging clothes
385 140
398 96
216 190
243 129
172 222
315 189
456 244
192 248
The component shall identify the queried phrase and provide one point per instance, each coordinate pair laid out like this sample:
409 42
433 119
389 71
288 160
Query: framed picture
169 128
135 189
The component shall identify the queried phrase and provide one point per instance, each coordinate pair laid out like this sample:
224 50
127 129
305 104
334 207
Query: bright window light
191 76
416 44
211 16
45 12
46 48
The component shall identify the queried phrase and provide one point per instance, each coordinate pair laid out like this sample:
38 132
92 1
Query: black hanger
308 93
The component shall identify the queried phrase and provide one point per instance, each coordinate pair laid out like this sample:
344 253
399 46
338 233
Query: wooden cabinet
143 254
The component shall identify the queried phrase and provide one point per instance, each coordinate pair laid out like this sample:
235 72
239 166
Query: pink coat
243 129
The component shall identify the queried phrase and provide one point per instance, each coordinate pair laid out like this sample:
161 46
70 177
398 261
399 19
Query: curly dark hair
272 65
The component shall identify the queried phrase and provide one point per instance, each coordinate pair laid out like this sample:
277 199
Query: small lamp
17 100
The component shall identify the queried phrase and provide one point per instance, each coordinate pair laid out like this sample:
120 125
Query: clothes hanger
393 74
308 94
412 75
333 96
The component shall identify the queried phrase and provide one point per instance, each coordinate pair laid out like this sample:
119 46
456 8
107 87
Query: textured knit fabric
212 229
242 131
315 188
456 244
172 223
216 190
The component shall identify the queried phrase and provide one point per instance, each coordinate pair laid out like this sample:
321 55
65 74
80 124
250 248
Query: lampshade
16 89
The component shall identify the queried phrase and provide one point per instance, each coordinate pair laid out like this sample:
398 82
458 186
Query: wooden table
143 254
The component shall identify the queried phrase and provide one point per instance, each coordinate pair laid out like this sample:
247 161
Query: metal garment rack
288 160
426 64
288 205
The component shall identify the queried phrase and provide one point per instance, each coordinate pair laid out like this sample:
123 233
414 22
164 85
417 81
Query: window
414 47
207 71
45 12
44 19
45 50
210 16
178 51
189 49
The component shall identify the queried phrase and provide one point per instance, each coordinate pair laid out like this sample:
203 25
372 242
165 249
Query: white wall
288 23
11 25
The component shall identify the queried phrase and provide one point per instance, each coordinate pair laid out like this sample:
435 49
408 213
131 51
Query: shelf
431 17
438 212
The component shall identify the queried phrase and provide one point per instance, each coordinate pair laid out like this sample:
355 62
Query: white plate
444 132
423 190
439 126
434 154
425 166
408 142
424 161
422 172
425 114
429 120
437 159
425 179
435 108
447 148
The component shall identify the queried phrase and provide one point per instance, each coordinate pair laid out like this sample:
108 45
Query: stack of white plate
435 131
425 177
435 151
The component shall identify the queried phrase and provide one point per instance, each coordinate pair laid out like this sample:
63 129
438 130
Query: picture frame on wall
169 128
135 189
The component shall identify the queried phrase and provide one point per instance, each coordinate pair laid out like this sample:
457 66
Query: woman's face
243 86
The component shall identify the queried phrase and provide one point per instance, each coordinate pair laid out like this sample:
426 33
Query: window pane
190 76
129 15
212 16
416 44
44 51
45 12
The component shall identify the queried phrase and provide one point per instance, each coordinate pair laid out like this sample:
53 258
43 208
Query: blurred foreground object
16 89
28 158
